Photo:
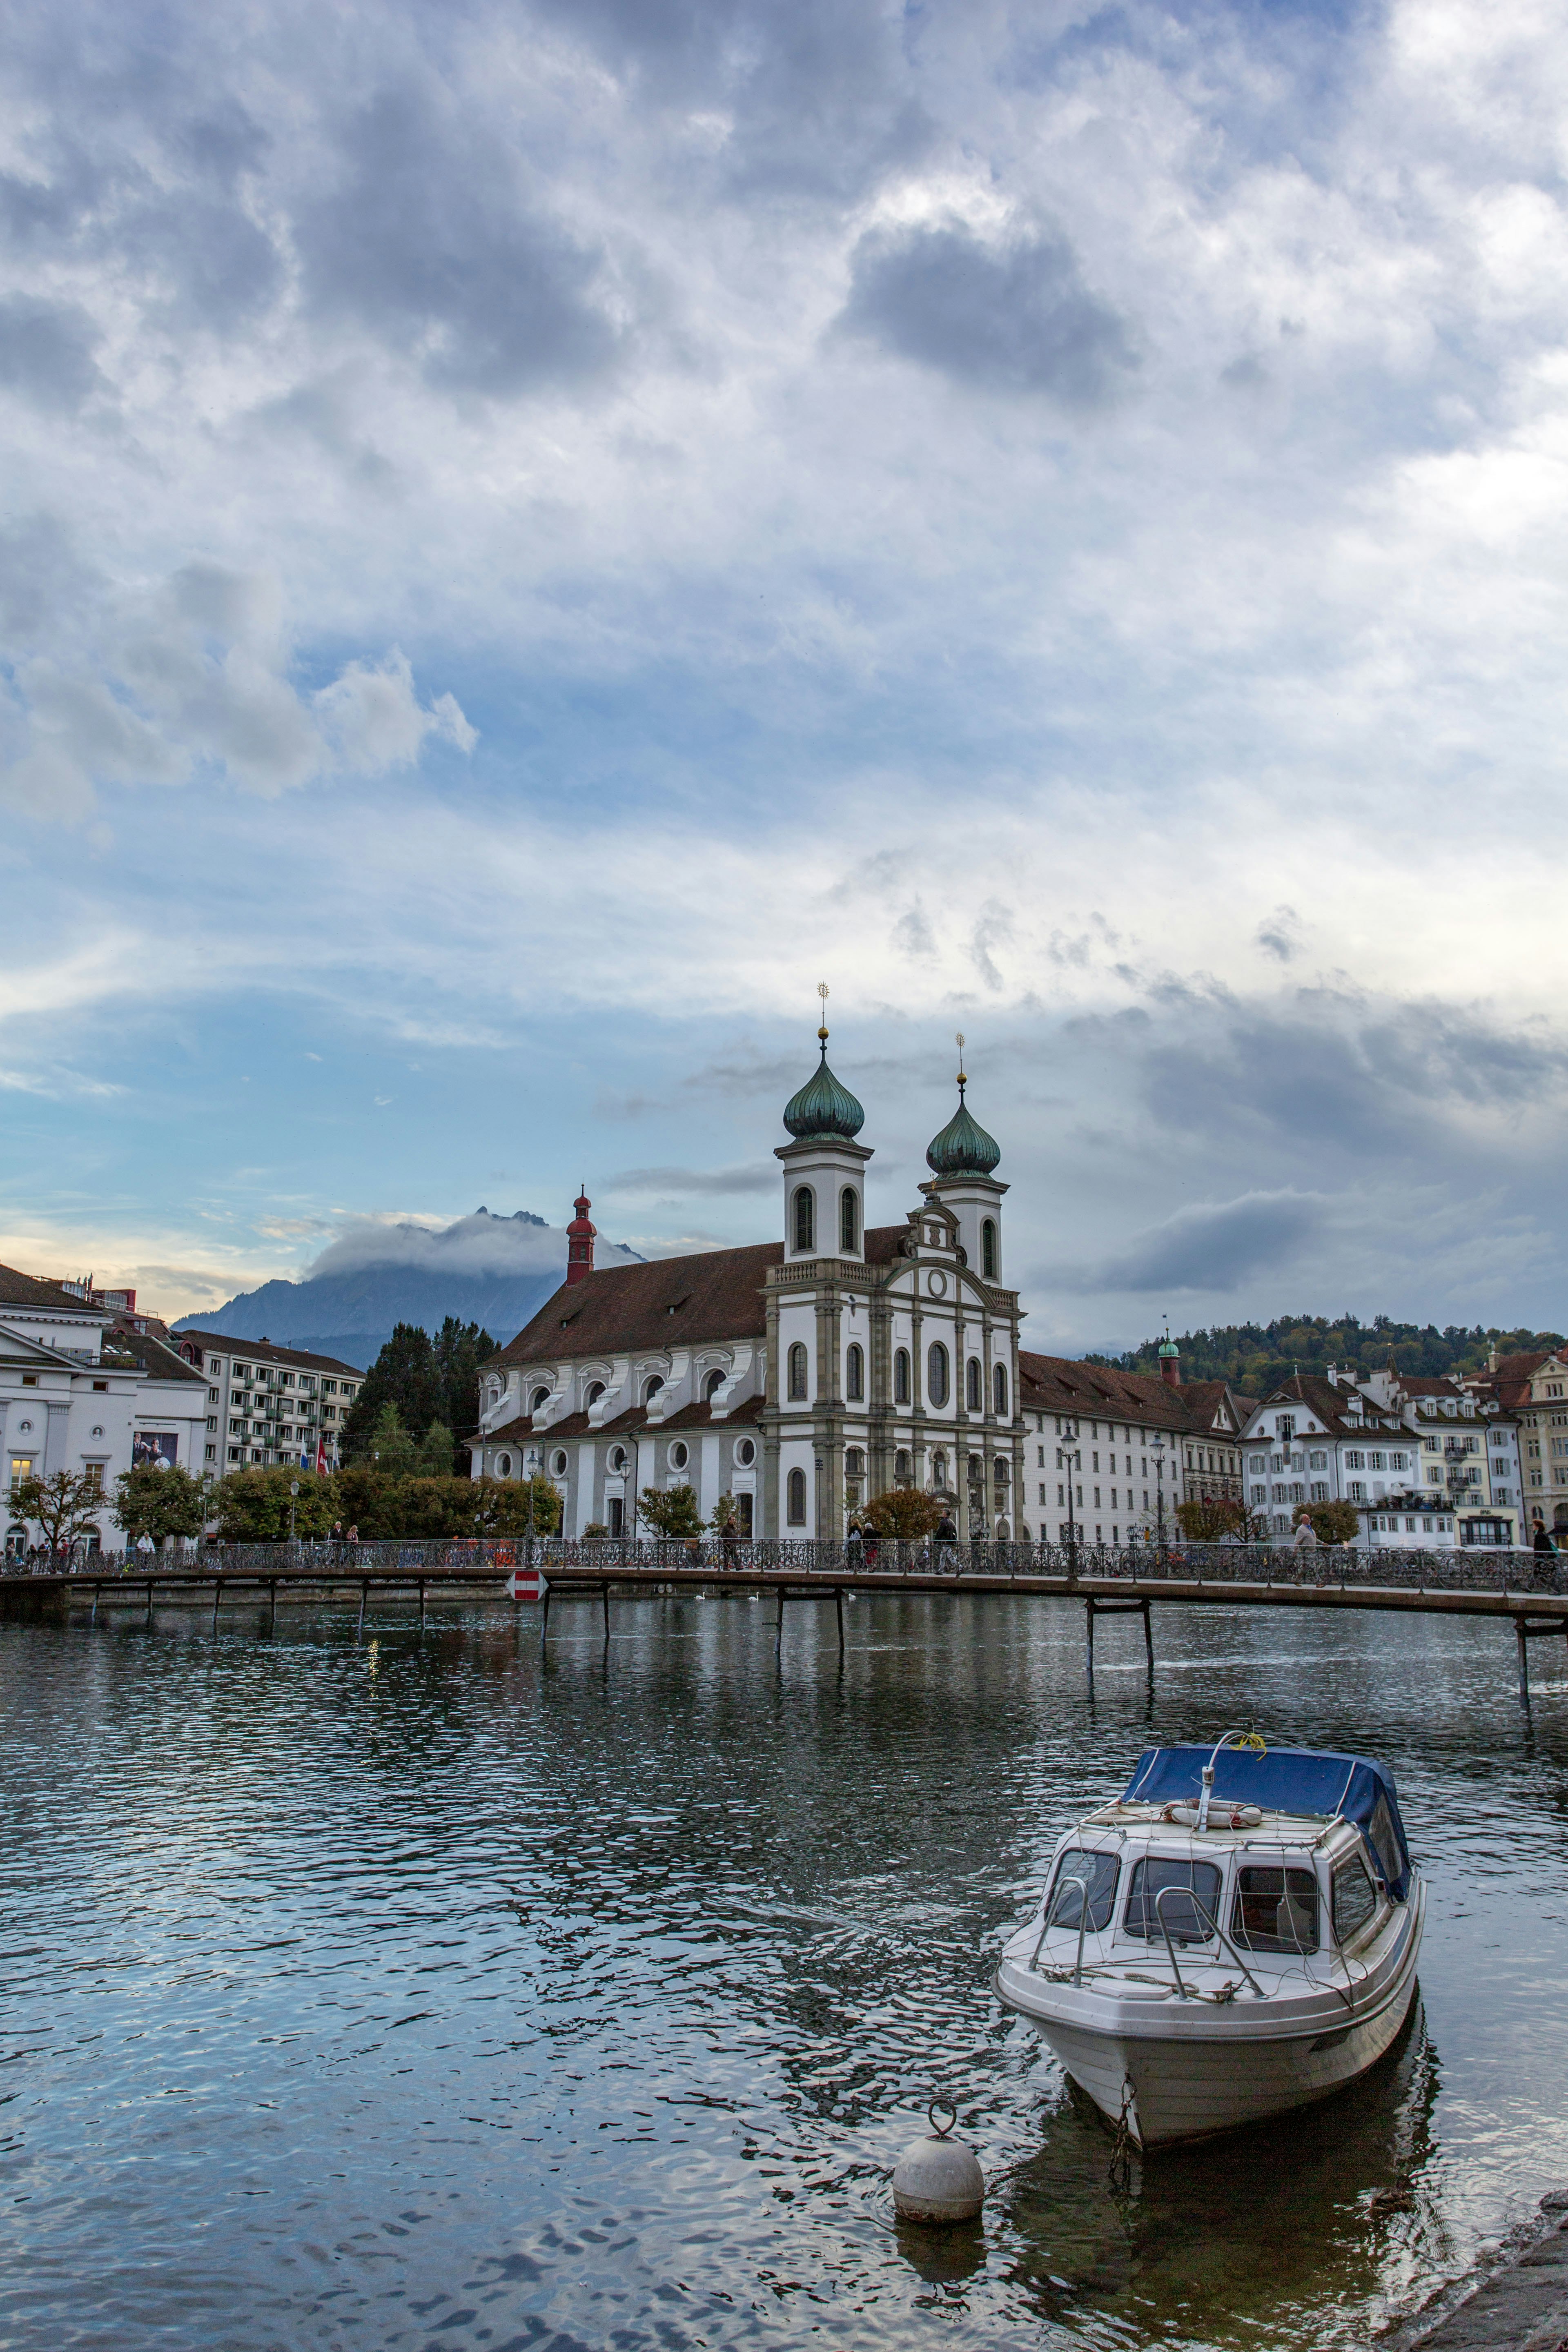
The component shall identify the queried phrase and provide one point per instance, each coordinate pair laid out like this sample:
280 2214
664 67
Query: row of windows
798 1383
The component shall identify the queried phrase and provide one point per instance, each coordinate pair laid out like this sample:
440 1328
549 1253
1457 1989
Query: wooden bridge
1448 1584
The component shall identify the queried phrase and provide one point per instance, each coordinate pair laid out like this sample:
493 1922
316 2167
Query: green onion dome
963 1147
823 1111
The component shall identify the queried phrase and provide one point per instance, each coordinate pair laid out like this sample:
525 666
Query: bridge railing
1489 1570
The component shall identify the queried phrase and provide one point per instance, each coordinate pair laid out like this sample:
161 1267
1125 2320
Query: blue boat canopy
1289 1780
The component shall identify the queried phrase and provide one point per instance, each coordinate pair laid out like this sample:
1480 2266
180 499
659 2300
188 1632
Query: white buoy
938 2178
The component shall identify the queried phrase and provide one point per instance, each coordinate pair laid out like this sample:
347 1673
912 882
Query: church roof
668 1302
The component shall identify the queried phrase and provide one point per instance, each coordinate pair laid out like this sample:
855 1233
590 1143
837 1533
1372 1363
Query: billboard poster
155 1449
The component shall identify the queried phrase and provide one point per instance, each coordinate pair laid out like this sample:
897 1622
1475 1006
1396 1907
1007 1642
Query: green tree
65 1506
503 1506
1333 1523
724 1510
159 1503
252 1506
671 1512
903 1513
460 1350
435 1454
1211 1517
404 1374
389 1449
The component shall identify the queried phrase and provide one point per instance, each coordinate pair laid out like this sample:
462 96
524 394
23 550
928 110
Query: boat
1234 1936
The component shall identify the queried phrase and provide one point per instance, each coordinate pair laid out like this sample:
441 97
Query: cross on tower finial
821 1032
958 1040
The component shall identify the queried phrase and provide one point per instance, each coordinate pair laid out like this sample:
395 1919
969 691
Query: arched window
902 1376
713 1383
903 1468
988 1248
796 1493
855 1372
652 1388
999 1384
804 1218
848 1219
797 1372
974 1386
936 1373
541 1399
854 1463
939 1471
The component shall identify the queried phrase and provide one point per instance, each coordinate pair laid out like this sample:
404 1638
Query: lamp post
1157 1448
1074 1461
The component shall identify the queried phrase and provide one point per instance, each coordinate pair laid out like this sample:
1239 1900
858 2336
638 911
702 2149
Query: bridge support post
1139 1608
149 1604
364 1597
839 1601
272 1612
604 1599
218 1596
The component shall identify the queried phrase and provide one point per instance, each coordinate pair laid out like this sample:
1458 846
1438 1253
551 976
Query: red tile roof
18 1289
262 1352
1061 1384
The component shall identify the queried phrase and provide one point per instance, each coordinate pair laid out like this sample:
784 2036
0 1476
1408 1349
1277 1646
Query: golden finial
958 1040
822 992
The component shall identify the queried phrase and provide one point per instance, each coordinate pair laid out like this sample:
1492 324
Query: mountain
495 1271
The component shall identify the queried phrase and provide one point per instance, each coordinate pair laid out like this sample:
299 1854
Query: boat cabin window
1178 1915
1101 1870
1275 1910
1355 1898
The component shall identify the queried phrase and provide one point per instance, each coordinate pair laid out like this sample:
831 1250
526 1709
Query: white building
1469 1453
1327 1440
801 1376
1111 1454
77 1395
269 1407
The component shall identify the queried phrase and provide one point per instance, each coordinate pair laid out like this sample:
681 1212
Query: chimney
580 1241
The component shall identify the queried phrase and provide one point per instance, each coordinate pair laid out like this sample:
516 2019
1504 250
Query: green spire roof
963 1147
1168 1345
823 1111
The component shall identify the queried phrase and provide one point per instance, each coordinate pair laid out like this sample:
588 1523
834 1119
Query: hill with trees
1256 1357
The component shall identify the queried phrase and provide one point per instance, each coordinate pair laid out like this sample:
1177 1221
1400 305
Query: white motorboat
1234 1936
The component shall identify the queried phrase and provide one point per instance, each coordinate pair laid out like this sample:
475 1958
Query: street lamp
1157 1448
1074 1462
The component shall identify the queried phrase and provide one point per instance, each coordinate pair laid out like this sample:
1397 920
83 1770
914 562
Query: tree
1333 1523
389 1447
253 1506
1212 1518
502 1504
460 1350
904 1513
404 1374
65 1506
159 1503
435 1454
670 1511
723 1510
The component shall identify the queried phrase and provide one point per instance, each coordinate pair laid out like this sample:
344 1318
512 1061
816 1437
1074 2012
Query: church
800 1376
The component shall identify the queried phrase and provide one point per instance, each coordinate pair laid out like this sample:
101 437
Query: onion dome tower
962 1161
580 1239
824 1167
1170 1359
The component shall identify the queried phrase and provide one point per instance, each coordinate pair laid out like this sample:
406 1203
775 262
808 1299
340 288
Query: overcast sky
533 534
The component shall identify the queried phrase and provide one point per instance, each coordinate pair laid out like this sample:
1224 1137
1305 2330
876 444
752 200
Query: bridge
1518 1587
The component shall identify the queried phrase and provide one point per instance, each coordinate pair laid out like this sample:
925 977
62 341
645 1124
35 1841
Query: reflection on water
420 1991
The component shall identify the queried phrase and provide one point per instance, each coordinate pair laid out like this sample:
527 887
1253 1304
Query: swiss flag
320 1457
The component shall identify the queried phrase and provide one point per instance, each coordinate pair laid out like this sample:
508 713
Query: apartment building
1531 1392
269 1407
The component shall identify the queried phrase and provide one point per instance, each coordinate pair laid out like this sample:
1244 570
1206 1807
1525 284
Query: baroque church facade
801 1376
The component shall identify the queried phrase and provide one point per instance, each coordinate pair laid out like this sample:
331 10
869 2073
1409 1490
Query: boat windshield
1179 1914
1099 1870
1275 1910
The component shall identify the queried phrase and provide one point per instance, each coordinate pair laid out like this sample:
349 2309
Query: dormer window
595 1390
541 1399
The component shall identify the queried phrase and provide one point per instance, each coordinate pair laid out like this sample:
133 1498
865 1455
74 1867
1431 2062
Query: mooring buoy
938 2178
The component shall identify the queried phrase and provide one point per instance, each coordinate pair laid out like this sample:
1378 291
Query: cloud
482 1243
1209 1246
47 352
717 1182
1014 317
1280 935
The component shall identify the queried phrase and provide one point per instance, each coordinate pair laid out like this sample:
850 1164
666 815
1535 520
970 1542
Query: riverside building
269 1406
799 1376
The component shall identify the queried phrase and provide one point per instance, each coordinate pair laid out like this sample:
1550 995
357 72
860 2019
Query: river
418 1993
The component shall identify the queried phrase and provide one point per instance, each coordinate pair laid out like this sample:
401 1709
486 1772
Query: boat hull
1227 2067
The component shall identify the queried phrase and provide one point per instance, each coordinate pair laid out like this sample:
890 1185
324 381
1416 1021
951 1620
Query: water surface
414 1992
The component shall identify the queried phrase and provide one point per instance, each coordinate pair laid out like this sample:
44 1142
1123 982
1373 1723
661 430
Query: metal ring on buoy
940 2131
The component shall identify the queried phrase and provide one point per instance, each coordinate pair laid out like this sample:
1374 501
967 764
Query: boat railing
1215 1927
1081 1883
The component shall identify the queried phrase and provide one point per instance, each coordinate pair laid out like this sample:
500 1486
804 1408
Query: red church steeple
580 1241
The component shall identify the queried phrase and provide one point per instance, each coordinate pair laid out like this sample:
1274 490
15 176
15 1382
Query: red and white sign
528 1584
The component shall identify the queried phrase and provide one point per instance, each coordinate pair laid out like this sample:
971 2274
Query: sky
533 535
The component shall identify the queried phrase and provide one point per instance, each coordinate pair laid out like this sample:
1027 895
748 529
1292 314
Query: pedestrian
729 1540
1544 1542
1306 1535
946 1543
854 1545
868 1547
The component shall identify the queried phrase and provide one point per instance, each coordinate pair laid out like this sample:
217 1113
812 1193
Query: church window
999 1382
848 1219
653 1388
797 1372
988 1249
854 1463
745 1454
903 1468
854 1374
939 1471
713 1383
796 1493
974 1386
902 1376
804 1218
595 1390
936 1373
503 1465
558 1464
617 1458
678 1456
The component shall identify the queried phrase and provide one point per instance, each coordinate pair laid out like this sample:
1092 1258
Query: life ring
1224 1814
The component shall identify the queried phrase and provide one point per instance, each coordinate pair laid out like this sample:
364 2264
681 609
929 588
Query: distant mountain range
485 1269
